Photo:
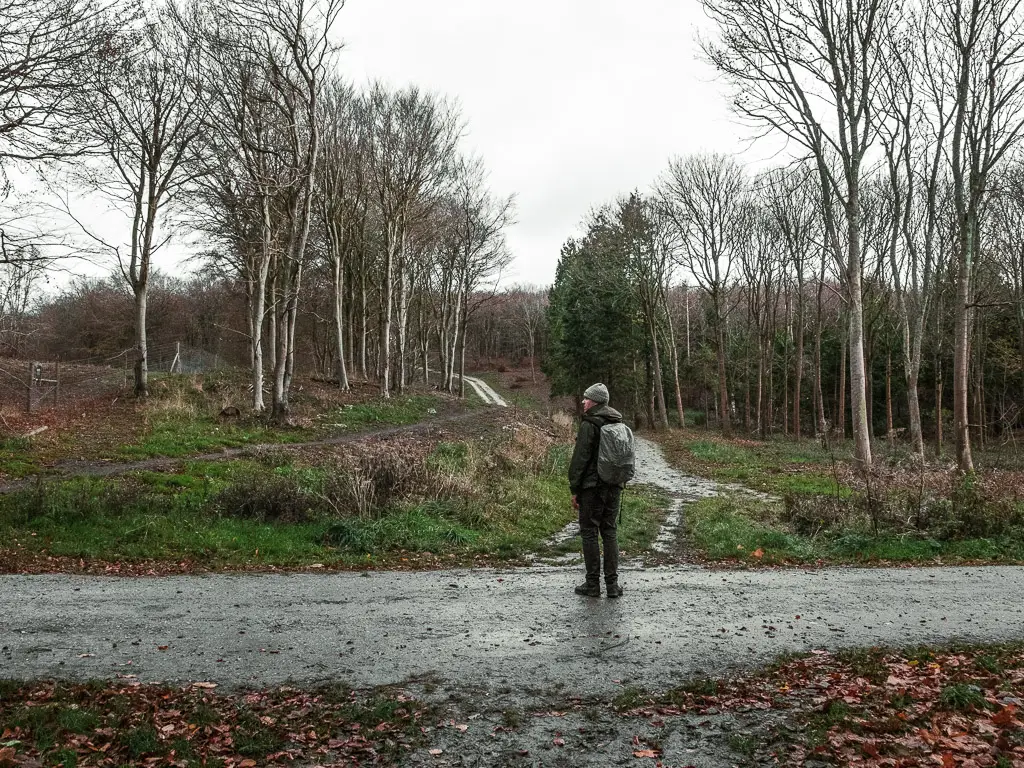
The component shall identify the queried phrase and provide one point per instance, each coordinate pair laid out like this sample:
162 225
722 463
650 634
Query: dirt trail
69 469
485 392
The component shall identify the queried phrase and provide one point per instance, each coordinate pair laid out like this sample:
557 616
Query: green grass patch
735 527
962 696
149 517
396 411
629 697
17 459
173 436
743 743
868 663
415 530
643 511
142 741
242 513
78 720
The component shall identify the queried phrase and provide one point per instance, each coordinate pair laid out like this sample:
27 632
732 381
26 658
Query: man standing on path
597 501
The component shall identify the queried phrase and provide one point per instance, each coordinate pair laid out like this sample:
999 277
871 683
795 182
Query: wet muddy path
682 489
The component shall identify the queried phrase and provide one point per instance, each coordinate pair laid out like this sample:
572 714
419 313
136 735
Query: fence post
31 374
56 386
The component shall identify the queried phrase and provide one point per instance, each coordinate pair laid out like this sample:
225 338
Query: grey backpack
616 459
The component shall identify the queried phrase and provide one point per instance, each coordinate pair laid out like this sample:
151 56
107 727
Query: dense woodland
869 284
891 232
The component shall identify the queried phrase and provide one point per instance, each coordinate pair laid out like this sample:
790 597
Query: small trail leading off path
492 630
86 468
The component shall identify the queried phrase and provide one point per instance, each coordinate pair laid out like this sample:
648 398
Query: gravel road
493 630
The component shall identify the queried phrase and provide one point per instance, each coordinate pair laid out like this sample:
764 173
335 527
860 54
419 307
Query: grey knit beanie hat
597 392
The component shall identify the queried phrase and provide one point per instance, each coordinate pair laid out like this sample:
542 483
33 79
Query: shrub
267 497
808 516
81 499
968 512
522 449
377 476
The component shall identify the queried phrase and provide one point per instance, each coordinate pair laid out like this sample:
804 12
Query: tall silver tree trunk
961 361
388 311
675 362
141 351
723 389
858 373
339 318
659 386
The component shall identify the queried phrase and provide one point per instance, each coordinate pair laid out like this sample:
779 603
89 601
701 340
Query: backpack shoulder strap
598 422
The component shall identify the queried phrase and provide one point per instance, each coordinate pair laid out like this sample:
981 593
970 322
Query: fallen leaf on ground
646 753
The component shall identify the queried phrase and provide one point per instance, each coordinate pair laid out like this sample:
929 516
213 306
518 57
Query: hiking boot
588 589
613 590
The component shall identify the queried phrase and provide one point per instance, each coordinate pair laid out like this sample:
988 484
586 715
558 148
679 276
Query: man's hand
575 504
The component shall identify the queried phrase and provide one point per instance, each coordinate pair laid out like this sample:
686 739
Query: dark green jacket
583 466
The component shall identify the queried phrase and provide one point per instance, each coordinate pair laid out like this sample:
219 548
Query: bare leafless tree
794 204
812 71
704 196
412 161
478 221
982 45
343 195
142 116
264 71
49 51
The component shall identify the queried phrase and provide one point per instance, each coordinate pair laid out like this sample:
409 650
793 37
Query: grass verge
175 437
395 411
875 706
398 503
741 528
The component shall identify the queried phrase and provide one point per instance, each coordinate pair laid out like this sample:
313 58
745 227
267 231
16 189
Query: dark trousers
599 514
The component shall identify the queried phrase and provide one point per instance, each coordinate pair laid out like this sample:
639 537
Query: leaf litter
126 722
873 708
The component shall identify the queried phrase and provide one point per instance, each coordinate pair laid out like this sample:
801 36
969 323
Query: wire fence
34 385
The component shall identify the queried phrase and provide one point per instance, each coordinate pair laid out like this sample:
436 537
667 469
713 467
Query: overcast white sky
570 102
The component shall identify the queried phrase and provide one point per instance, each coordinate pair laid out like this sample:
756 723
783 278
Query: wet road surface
490 629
